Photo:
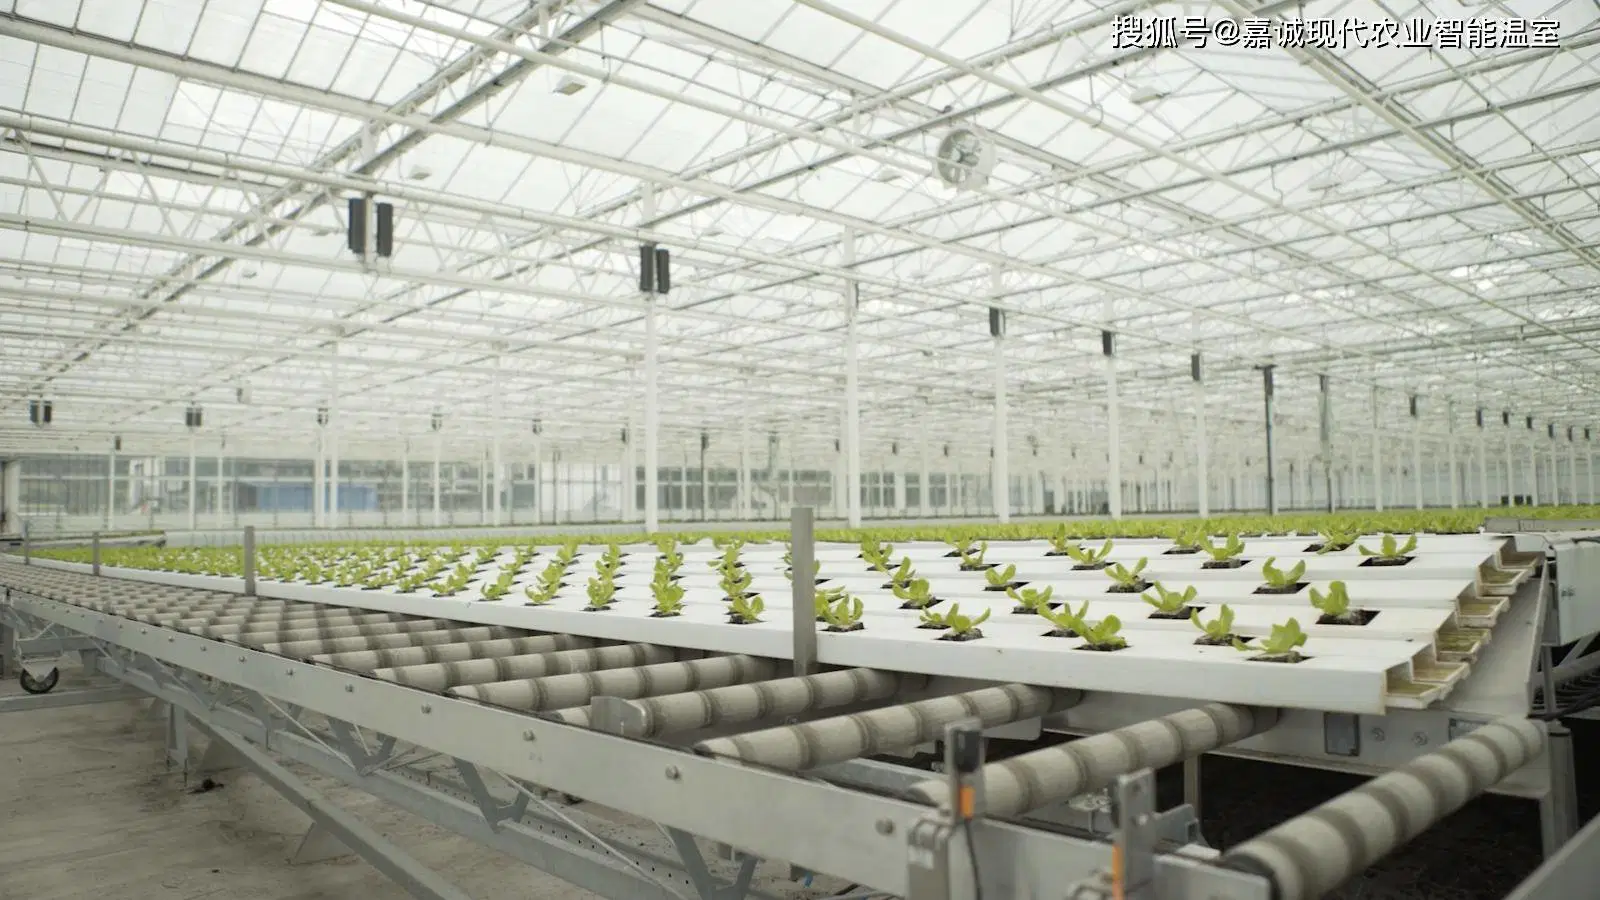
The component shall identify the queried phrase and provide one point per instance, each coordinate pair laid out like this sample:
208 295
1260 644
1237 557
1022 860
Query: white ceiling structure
174 173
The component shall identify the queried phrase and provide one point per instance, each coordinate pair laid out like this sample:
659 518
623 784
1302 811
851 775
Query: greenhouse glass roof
1316 195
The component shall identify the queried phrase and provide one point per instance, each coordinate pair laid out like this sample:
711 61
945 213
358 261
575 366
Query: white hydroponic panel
1392 660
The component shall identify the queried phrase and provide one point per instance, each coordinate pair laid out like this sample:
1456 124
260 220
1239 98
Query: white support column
405 482
652 391
194 496
1450 455
852 389
1533 468
899 484
1202 448
217 493
1483 462
630 473
498 404
1000 437
1113 419
333 431
438 453
319 480
925 493
1588 461
483 486
1572 467
744 474
1511 485
1377 453
1416 450
1555 465
111 490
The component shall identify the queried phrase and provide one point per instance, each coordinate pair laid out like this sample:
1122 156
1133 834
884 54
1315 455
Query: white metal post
333 433
1377 454
1533 469
193 495
1416 450
652 399
925 492
852 388
438 452
218 492
1450 454
1000 438
1202 449
318 484
1588 457
483 486
495 479
111 490
1483 464
1555 467
1113 433
1572 467
1511 486
743 498
405 482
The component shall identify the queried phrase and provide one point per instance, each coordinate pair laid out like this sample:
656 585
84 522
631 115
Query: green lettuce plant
1103 636
1334 540
1390 552
971 557
1283 644
746 610
999 578
1218 631
1168 603
602 593
1280 581
963 627
903 574
1030 600
1067 622
1126 580
1224 555
915 595
1335 606
933 620
824 598
845 614
1089 558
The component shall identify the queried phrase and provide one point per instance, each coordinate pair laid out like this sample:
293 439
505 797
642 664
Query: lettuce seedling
1334 541
1282 645
1169 603
1226 551
1102 635
1062 541
540 594
1067 623
1279 581
746 610
602 593
669 601
824 598
845 614
964 628
1030 600
734 583
903 574
1218 631
917 594
971 558
1390 552
1335 606
1000 578
1126 580
1088 558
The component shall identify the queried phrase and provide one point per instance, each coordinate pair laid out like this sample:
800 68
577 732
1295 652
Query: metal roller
1057 774
750 702
298 632
367 660
837 739
557 691
1310 855
439 676
303 649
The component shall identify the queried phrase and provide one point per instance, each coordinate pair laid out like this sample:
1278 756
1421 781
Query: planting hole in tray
1295 588
745 596
1224 641
1382 563
1061 633
1089 567
858 626
1224 563
735 620
925 626
929 605
1001 588
980 567
1180 551
1180 614
1319 548
662 615
1361 617
1093 648
597 609
962 638
1288 658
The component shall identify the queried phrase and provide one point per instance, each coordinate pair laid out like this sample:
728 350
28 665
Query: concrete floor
88 811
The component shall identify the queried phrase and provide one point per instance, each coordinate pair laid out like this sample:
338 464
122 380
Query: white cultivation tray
1349 669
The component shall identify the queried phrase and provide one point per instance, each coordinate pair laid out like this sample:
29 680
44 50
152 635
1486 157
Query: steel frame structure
1452 262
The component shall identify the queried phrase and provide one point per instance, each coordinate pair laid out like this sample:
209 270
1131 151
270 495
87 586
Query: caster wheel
44 686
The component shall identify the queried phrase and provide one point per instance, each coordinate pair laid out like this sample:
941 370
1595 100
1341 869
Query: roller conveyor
650 706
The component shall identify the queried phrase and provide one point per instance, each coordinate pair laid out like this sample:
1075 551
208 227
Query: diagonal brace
494 812
416 879
706 883
362 759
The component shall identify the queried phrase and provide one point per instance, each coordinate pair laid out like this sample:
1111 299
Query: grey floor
88 811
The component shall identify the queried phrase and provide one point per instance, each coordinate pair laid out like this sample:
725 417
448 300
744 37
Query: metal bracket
494 812
1133 863
349 741
705 883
